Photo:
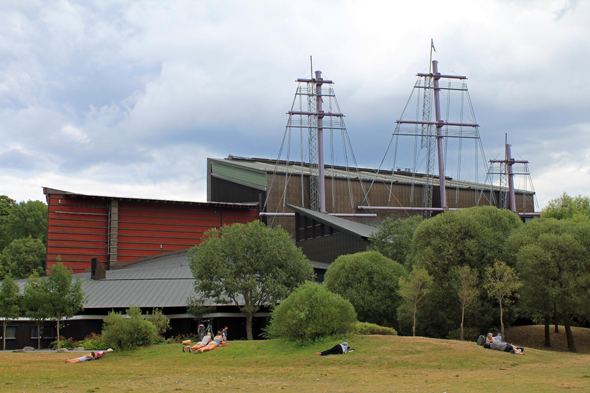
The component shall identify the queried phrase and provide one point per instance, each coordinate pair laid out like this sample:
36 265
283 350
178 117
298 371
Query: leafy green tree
60 297
568 207
27 219
10 304
502 282
33 303
394 237
472 237
6 205
23 257
370 282
249 265
413 289
159 320
554 261
310 312
466 284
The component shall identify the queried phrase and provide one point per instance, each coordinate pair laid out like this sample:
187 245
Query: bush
371 328
370 282
310 312
159 320
128 332
93 342
69 343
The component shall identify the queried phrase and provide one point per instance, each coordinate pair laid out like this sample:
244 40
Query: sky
126 98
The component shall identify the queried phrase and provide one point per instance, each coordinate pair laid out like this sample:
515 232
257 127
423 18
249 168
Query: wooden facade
119 231
252 179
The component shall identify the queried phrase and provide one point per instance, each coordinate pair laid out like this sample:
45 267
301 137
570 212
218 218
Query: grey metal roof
354 228
365 174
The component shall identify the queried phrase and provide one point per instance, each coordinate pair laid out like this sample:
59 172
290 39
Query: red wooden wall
78 226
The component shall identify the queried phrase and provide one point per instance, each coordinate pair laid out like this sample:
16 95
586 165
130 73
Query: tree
60 297
370 282
10 304
567 207
6 205
310 312
474 237
394 238
502 282
554 260
128 333
33 299
413 289
466 284
249 265
23 257
27 219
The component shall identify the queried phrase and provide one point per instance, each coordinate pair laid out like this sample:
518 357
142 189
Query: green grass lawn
379 364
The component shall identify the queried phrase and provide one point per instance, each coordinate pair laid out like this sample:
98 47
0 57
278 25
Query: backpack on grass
481 340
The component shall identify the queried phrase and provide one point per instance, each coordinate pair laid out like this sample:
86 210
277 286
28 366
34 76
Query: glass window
11 332
34 332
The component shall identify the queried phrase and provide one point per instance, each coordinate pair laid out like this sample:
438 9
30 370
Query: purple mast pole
439 137
509 162
322 190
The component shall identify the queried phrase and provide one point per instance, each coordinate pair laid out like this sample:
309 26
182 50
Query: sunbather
203 343
216 342
493 343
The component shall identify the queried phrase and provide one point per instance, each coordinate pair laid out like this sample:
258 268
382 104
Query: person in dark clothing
336 350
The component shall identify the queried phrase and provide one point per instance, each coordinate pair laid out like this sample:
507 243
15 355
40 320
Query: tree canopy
249 265
472 237
554 260
57 296
568 207
22 257
370 282
10 304
394 237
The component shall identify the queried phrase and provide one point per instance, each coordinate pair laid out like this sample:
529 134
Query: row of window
46 332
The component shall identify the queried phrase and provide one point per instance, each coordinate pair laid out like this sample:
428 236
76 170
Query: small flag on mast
432 43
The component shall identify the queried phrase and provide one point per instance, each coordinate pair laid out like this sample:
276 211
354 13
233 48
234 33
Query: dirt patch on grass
534 337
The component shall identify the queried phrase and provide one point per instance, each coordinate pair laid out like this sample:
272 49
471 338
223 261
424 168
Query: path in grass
379 364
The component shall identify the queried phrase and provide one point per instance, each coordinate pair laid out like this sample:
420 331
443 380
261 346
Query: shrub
128 332
93 342
371 328
310 312
159 320
69 343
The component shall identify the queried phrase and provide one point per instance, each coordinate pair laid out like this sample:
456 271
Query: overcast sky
130 98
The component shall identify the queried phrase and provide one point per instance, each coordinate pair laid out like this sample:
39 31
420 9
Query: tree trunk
547 332
462 321
38 337
555 318
502 322
414 326
568 332
249 317
58 342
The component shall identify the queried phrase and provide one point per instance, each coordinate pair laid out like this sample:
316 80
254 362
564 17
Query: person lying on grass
493 343
203 343
90 356
336 350
217 341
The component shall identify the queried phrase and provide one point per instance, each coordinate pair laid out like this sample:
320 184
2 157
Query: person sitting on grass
336 350
203 343
493 343
217 341
84 358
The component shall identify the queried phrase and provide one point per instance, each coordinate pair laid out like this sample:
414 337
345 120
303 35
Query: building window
11 332
34 331
49 332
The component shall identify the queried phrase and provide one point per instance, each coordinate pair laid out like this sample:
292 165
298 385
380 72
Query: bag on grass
481 340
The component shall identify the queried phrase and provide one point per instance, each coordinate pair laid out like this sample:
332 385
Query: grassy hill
379 364
534 337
